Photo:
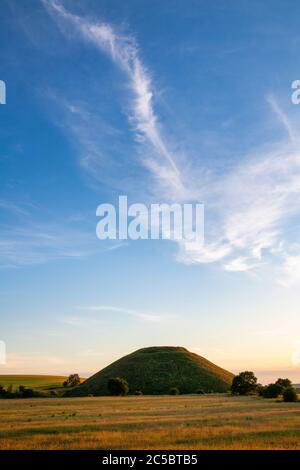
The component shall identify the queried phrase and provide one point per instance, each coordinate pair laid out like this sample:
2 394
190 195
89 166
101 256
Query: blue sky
164 101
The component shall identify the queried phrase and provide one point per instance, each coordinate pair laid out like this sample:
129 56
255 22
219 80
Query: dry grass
179 422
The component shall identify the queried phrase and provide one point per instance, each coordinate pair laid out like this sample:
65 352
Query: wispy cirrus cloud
282 117
290 273
248 207
146 316
125 54
252 206
12 207
26 238
38 243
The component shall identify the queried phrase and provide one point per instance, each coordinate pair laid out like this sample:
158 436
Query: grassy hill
37 382
156 370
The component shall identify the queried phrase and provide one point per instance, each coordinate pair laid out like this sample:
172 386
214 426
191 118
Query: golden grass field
144 422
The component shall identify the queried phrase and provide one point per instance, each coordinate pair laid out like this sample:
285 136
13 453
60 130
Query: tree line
246 383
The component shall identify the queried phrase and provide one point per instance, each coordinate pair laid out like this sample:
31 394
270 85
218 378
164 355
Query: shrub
200 391
290 394
10 391
117 386
24 392
21 392
174 391
27 393
138 392
272 391
244 384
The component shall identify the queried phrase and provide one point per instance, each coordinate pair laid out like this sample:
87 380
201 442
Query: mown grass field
165 422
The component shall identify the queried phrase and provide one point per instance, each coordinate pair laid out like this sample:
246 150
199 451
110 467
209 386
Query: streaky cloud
147 316
250 205
124 52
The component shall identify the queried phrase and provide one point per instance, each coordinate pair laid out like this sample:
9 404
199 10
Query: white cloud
37 243
252 206
147 316
208 253
239 264
282 117
249 207
124 52
290 271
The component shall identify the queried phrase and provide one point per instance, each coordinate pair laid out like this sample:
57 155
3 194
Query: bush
200 391
21 392
117 386
290 395
10 392
244 384
272 391
138 392
174 391
2 392
27 393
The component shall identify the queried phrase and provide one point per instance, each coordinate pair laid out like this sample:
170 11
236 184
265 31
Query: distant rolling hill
156 370
37 382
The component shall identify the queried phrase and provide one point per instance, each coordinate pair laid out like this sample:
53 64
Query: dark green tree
27 393
117 386
244 384
272 391
284 383
290 395
259 389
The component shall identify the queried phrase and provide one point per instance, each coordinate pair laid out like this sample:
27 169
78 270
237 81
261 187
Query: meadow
37 382
214 421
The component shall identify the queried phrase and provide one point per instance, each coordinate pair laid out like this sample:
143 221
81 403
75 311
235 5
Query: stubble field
144 422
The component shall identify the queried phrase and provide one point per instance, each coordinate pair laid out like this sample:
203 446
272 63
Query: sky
165 102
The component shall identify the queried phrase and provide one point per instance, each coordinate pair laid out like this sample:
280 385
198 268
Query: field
37 382
40 383
144 422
